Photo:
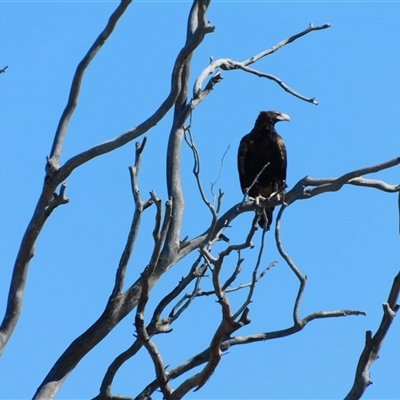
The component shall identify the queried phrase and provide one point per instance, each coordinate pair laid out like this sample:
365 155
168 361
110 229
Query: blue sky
346 242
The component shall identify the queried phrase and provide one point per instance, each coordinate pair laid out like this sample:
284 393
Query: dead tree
169 247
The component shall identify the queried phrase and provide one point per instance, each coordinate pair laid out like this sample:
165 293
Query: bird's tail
266 218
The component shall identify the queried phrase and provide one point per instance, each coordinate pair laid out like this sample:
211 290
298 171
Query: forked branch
228 64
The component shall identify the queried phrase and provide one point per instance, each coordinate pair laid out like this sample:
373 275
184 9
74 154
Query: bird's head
271 118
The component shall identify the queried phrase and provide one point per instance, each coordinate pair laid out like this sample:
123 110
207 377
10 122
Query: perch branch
255 180
299 191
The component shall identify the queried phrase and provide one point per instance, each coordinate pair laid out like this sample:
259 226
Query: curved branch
204 356
284 42
55 153
302 278
191 44
283 85
375 184
336 184
228 64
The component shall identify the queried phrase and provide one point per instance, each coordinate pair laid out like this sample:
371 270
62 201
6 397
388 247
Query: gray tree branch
117 308
374 343
55 152
168 249
140 206
228 64
156 326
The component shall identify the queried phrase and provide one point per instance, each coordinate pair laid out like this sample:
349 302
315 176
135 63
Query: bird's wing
242 154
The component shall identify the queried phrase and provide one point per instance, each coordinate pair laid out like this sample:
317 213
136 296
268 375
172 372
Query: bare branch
294 194
219 176
228 323
197 25
225 288
253 280
144 338
58 200
228 64
117 308
228 342
302 279
196 173
336 184
46 202
196 167
55 153
299 191
255 180
235 273
140 206
284 42
373 344
275 79
193 41
375 184
157 325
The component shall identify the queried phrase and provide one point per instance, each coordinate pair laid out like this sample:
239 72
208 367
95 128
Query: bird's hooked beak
283 117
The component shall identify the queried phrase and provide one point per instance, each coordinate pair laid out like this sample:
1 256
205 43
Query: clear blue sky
347 242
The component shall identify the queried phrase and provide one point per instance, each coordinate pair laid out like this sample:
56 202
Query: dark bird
262 153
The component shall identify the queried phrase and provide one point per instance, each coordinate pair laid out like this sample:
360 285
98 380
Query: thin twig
196 172
255 180
219 174
283 85
140 206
